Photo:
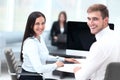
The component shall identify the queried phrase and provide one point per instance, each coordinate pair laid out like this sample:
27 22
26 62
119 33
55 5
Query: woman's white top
61 29
35 55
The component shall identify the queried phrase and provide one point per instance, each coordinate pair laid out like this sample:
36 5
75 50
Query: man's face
95 22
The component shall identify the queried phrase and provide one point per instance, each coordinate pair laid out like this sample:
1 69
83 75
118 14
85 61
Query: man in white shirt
102 52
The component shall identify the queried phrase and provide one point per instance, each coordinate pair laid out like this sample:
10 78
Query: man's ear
106 20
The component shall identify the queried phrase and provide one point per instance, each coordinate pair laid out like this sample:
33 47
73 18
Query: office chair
14 68
113 71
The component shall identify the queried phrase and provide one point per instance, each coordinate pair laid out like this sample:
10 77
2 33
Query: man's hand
76 69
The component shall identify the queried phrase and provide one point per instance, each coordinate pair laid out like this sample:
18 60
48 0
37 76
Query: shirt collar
36 38
101 33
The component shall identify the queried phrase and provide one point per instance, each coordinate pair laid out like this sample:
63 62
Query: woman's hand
71 60
59 64
55 38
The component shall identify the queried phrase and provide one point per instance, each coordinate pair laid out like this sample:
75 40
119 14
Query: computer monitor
79 38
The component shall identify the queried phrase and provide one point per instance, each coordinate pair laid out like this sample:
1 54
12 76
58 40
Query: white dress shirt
105 50
61 29
35 55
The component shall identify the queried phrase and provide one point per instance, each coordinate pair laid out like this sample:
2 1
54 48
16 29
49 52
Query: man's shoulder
112 38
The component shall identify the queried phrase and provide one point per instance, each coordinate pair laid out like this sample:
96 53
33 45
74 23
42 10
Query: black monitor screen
79 36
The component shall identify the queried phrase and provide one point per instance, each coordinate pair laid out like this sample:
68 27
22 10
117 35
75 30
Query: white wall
114 12
75 9
84 6
112 5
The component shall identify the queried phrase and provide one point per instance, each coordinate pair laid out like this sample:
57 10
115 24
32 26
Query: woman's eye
37 23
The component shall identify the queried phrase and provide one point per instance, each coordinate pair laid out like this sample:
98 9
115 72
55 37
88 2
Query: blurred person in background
59 31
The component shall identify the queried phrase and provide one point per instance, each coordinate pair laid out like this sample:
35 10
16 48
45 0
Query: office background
14 13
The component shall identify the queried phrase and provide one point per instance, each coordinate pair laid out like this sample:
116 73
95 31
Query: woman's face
62 18
39 26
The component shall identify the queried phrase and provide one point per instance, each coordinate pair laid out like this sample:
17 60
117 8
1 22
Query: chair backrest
12 63
113 71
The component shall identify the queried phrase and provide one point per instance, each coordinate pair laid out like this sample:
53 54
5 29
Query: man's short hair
99 7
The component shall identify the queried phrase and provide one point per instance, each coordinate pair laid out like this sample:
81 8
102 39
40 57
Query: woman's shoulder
29 40
30 43
55 22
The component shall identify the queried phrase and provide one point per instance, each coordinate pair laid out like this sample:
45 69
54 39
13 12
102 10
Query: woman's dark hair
64 13
29 27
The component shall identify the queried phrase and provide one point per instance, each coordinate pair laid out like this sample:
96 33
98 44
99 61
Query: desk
69 67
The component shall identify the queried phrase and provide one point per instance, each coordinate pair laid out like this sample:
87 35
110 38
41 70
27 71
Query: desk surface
69 67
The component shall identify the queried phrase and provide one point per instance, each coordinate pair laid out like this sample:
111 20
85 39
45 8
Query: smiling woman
39 26
31 47
34 52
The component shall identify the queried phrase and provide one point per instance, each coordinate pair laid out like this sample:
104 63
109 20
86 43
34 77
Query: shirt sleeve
55 58
95 59
31 49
